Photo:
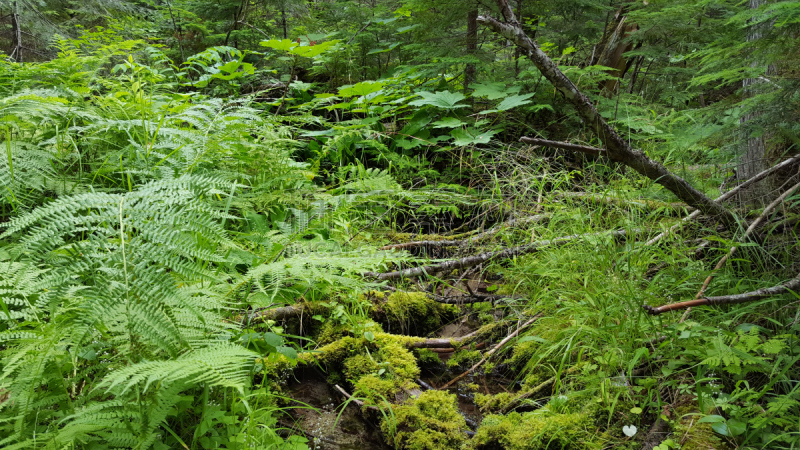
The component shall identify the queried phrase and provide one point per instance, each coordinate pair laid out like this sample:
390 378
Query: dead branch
492 351
680 208
790 286
445 342
448 243
565 145
474 260
747 234
528 394
358 402
727 196
473 298
617 148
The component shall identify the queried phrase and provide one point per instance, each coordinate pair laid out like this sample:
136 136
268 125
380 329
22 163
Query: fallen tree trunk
474 260
617 148
594 151
449 243
728 195
790 286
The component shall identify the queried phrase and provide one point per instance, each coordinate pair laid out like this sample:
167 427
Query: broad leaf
442 99
448 122
493 91
471 136
362 88
514 101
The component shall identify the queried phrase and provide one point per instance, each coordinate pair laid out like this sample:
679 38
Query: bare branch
565 145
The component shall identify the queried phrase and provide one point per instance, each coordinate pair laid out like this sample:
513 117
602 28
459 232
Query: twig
565 145
251 26
484 257
359 32
790 286
358 402
492 351
747 233
726 196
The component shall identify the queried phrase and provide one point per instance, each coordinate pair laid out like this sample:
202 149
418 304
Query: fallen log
617 148
451 243
473 298
474 260
727 196
791 286
565 145
492 351
445 342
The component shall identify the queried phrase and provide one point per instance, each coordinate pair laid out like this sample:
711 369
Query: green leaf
471 136
712 419
448 122
514 101
273 339
636 410
362 88
284 44
736 427
493 91
369 336
532 339
403 30
384 50
310 51
288 352
442 99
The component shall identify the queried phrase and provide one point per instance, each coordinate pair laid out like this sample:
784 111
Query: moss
334 353
414 310
493 402
376 390
427 356
542 429
429 422
693 435
329 333
359 365
402 363
464 358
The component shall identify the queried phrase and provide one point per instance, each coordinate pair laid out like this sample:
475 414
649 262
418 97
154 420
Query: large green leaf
362 88
442 99
514 101
471 136
284 44
493 91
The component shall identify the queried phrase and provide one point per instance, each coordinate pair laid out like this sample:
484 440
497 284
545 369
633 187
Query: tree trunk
16 53
617 147
611 48
470 72
283 22
753 155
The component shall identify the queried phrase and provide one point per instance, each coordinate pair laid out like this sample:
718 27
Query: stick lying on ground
792 285
474 260
565 145
358 402
490 232
727 196
747 233
492 351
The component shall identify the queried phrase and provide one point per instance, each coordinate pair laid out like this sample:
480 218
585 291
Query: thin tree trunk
15 23
470 72
753 155
283 22
617 147
177 30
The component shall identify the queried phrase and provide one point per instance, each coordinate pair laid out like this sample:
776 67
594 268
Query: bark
792 285
470 72
594 151
16 53
612 48
616 147
753 159
471 261
730 194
